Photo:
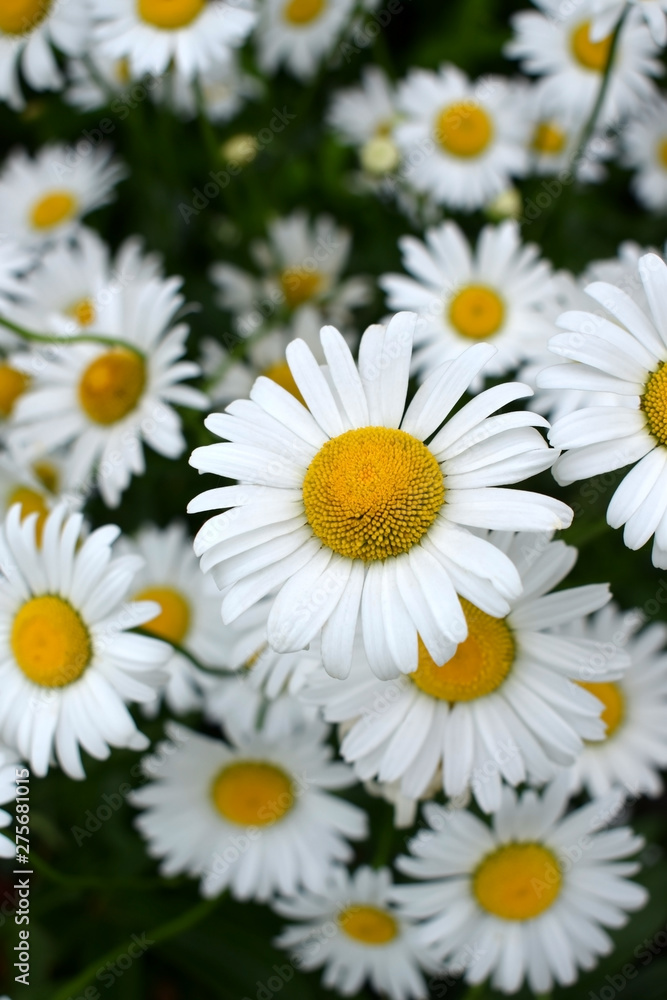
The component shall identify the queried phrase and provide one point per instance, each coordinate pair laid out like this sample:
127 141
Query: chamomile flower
503 707
15 263
554 135
529 898
355 932
470 136
645 149
256 817
298 34
195 35
37 488
345 509
625 356
8 788
69 664
105 401
44 199
497 294
224 89
365 117
92 80
608 13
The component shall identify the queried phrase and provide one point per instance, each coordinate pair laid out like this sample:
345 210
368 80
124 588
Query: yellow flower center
611 696
82 311
476 312
17 17
463 129
591 55
122 71
170 14
111 386
54 208
303 11
654 403
299 285
479 666
12 384
372 493
31 502
50 642
662 153
173 621
548 138
253 793
368 924
281 373
518 881
48 475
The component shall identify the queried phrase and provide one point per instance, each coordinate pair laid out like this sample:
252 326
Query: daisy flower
608 14
106 401
625 356
94 79
557 44
15 262
37 488
357 935
195 35
237 705
365 117
497 294
28 29
44 199
645 148
69 664
255 817
503 707
224 89
346 509
298 34
8 791
462 141
527 899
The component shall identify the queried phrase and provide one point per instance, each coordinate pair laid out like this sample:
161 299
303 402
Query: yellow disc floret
50 642
111 386
12 384
53 209
83 312
613 699
372 493
303 11
662 153
479 666
173 621
548 138
18 17
252 793
368 924
281 373
591 55
299 285
464 129
170 14
31 502
654 403
476 312
518 881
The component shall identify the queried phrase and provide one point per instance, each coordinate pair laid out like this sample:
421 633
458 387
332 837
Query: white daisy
224 90
298 34
608 13
68 663
462 141
13 383
195 34
365 117
352 517
503 707
44 199
15 262
8 791
236 703
625 357
98 78
499 294
255 817
645 148
37 488
527 899
357 935
557 45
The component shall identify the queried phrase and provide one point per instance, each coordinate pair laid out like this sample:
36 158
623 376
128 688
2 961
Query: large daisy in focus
346 509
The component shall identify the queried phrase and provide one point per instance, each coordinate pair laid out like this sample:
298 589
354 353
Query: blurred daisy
98 77
356 934
13 383
626 357
352 517
37 488
365 117
256 817
15 263
69 663
237 705
498 294
528 899
469 135
298 34
608 14
8 789
195 35
554 135
44 199
645 148
224 89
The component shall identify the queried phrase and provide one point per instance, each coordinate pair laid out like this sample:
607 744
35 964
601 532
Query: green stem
475 992
93 882
48 338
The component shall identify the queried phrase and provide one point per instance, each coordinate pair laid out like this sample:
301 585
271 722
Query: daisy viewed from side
298 34
365 117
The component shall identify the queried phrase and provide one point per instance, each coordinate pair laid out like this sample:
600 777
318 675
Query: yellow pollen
173 621
303 11
50 642
479 666
368 924
281 373
83 312
111 386
372 493
611 696
170 14
464 129
252 793
590 55
12 384
54 208
476 312
18 17
518 881
662 153
122 71
48 475
253 658
299 285
548 138
654 404
31 502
